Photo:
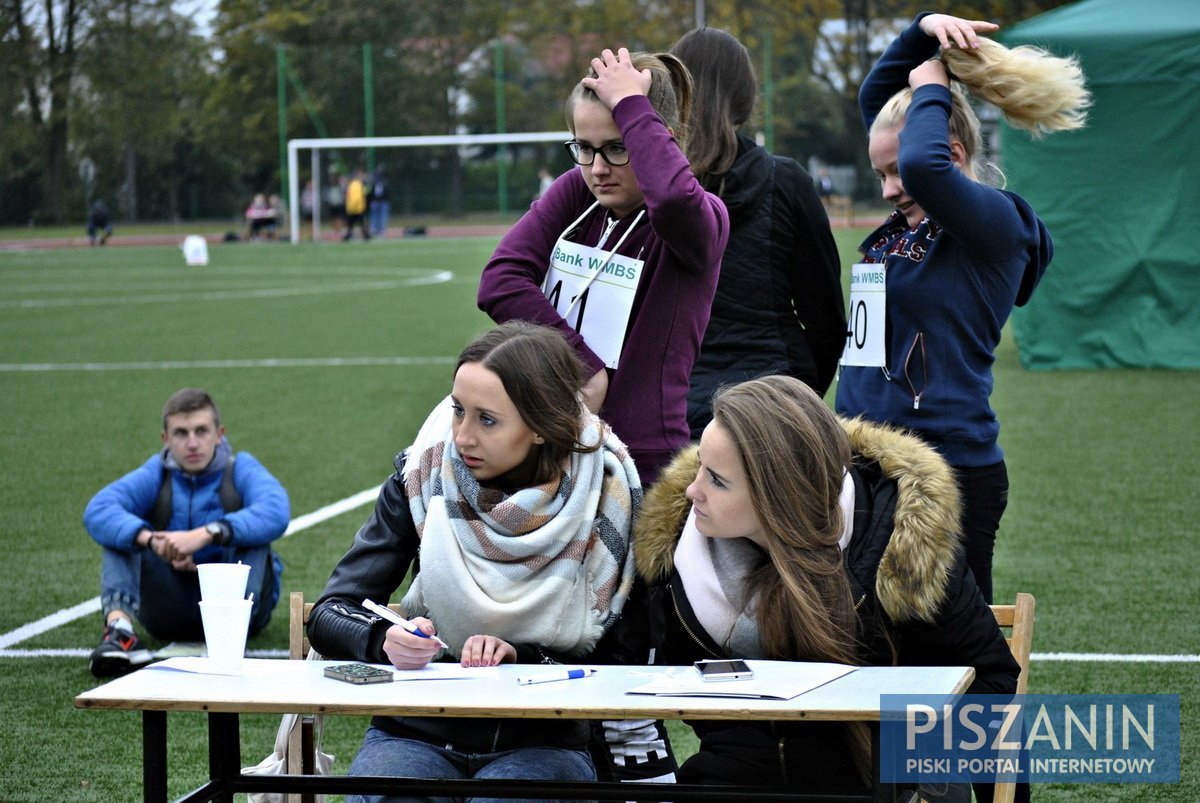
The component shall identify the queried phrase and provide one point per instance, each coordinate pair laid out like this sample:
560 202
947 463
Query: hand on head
955 31
616 78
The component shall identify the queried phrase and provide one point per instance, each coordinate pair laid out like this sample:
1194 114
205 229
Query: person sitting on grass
99 225
194 502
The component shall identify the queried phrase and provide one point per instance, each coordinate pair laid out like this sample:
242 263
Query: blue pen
395 618
550 677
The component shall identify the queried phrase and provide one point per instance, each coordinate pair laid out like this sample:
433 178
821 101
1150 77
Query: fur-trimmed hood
923 542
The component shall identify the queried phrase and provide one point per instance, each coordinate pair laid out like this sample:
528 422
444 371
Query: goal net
469 147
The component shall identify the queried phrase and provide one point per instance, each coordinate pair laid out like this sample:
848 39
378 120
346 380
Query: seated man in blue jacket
193 502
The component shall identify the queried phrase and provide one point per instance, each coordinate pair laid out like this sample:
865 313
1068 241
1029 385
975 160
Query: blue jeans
379 217
384 754
165 601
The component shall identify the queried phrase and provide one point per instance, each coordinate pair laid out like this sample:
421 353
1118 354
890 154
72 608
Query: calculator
359 673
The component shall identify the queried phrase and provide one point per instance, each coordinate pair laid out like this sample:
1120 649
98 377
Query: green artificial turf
1100 525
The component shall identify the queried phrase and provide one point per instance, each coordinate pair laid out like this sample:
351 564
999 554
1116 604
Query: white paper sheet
202 666
773 680
447 671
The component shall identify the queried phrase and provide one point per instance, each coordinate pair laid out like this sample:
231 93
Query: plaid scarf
549 565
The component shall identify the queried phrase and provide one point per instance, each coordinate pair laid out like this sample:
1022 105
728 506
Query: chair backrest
298 613
1017 622
302 744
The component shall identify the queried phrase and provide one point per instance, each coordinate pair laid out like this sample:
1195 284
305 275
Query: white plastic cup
223 582
225 627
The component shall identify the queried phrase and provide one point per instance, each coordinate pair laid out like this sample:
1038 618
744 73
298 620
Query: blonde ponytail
1034 89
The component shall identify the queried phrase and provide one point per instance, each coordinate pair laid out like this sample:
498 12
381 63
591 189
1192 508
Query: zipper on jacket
918 342
684 624
365 618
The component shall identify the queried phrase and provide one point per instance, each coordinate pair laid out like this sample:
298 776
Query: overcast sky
200 10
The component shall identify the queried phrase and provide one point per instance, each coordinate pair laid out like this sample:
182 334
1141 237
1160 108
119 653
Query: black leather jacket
384 549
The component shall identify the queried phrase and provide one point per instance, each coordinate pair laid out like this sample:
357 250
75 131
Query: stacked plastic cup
225 614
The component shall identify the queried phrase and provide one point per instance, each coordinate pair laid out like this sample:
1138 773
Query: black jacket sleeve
804 235
384 549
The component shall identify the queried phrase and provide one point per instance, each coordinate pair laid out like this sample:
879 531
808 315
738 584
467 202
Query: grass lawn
325 359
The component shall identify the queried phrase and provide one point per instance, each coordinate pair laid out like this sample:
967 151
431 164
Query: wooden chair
300 742
1017 621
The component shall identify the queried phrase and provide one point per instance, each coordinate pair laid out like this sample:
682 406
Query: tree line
127 101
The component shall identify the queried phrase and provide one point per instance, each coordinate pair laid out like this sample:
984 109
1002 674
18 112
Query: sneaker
119 652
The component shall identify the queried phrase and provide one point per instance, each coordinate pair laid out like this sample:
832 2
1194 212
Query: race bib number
598 308
866 318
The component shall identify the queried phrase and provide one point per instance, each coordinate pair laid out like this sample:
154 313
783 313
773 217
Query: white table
278 686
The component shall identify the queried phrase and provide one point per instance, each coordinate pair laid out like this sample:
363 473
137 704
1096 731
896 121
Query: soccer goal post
317 145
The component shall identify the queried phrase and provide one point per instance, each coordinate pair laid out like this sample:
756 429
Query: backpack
356 199
160 516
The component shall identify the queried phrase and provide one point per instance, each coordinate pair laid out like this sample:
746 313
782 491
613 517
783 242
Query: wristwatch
220 531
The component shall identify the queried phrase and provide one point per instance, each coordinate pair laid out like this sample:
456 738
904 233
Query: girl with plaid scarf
514 509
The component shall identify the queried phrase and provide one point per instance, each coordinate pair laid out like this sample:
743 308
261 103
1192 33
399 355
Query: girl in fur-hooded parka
792 535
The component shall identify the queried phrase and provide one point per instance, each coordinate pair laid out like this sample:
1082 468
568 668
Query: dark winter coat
917 603
778 307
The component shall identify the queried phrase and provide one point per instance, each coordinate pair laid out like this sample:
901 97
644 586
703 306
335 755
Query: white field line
435 277
62 617
91 606
81 652
1113 658
267 362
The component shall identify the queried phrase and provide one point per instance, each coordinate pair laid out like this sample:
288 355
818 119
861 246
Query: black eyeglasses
615 154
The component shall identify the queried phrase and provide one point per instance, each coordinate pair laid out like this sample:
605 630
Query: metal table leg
154 756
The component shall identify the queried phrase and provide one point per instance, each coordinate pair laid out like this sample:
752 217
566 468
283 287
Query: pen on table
395 618
550 677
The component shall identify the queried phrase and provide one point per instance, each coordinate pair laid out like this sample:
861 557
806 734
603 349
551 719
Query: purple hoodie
681 244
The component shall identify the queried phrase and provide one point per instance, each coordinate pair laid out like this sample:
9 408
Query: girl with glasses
621 255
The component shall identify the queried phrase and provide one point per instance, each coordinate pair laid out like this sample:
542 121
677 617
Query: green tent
1121 197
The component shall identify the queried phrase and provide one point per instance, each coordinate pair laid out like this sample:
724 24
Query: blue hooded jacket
119 511
951 282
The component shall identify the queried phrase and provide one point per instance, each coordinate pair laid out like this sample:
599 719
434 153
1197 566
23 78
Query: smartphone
735 669
359 673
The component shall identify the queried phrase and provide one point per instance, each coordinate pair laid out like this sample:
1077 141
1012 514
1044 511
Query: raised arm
692 223
511 285
918 43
